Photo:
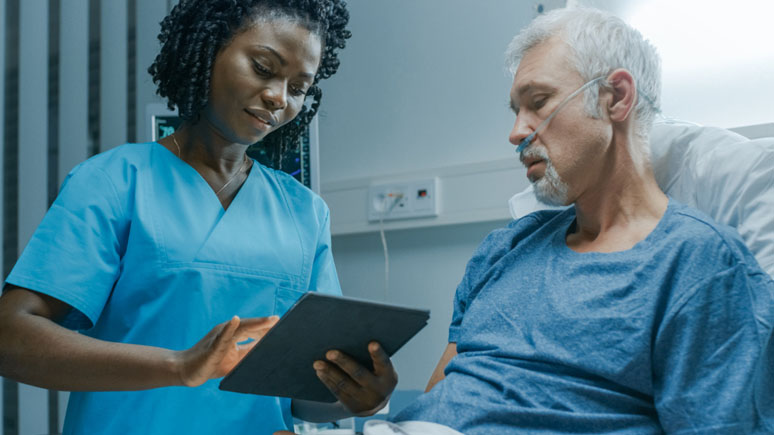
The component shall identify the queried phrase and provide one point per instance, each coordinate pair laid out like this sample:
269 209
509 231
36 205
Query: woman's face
259 79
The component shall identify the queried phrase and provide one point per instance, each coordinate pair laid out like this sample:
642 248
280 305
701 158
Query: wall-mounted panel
476 192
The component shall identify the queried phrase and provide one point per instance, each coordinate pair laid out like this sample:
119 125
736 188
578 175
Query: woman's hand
219 351
359 390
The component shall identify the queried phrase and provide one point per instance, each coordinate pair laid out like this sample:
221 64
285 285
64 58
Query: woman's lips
259 122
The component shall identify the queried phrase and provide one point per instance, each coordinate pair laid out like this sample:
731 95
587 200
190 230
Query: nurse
165 256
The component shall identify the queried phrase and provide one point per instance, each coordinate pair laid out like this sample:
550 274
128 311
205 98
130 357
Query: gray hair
599 44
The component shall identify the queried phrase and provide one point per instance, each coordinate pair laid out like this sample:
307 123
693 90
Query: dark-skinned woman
167 255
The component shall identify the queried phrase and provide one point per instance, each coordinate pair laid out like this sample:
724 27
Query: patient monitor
723 174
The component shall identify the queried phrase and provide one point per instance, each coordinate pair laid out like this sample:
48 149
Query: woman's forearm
36 351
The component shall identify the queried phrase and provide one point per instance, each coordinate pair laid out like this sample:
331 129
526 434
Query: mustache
535 151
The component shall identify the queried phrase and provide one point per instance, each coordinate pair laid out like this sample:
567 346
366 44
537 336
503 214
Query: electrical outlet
403 200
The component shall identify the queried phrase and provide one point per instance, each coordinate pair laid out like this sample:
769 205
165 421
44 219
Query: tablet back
281 363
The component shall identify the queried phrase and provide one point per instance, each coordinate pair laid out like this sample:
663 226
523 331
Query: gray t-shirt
672 335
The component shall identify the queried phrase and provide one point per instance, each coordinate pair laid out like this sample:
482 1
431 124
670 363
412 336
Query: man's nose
275 95
520 131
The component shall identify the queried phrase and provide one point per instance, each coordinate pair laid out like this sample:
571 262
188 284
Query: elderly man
625 313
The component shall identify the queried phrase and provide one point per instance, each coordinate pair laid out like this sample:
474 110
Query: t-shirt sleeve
497 244
324 278
491 249
75 253
461 300
713 356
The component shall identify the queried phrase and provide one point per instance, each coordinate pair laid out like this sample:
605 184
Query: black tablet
281 363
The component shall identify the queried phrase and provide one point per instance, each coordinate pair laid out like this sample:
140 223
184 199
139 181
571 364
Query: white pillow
721 173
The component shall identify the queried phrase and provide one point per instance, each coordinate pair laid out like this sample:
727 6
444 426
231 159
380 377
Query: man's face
562 159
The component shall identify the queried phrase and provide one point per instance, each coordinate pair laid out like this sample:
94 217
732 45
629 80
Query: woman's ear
624 92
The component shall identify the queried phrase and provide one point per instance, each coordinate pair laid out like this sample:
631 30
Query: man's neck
618 210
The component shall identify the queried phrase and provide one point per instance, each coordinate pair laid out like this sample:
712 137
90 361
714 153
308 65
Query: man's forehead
543 64
544 76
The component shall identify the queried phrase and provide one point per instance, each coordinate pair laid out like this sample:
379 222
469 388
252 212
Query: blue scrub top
139 245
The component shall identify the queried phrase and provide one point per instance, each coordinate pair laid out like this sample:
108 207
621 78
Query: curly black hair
195 31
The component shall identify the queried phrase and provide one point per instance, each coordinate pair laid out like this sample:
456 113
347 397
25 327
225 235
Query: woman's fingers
383 376
258 322
215 354
382 363
359 389
355 370
338 382
255 327
243 349
225 338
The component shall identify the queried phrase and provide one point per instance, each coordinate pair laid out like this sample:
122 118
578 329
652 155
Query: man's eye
540 102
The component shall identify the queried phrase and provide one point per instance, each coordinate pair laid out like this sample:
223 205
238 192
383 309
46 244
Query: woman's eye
297 91
260 69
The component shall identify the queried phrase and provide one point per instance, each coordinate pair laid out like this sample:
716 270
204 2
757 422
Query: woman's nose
276 96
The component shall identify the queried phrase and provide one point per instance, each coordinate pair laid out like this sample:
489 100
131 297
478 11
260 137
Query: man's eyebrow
533 86
283 62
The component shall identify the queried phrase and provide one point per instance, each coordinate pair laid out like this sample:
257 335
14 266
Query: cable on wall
388 204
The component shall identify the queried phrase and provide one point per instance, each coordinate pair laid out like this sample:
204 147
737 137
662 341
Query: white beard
549 189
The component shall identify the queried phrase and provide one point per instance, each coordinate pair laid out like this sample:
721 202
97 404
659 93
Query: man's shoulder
694 226
536 227
698 236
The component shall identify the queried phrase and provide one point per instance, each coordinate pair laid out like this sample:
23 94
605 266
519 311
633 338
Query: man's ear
624 92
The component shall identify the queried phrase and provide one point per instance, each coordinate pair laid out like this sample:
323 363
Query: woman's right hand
219 351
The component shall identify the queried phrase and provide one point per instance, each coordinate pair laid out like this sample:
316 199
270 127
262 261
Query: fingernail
319 365
332 355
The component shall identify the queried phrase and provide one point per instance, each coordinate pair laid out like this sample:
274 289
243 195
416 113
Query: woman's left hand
362 392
